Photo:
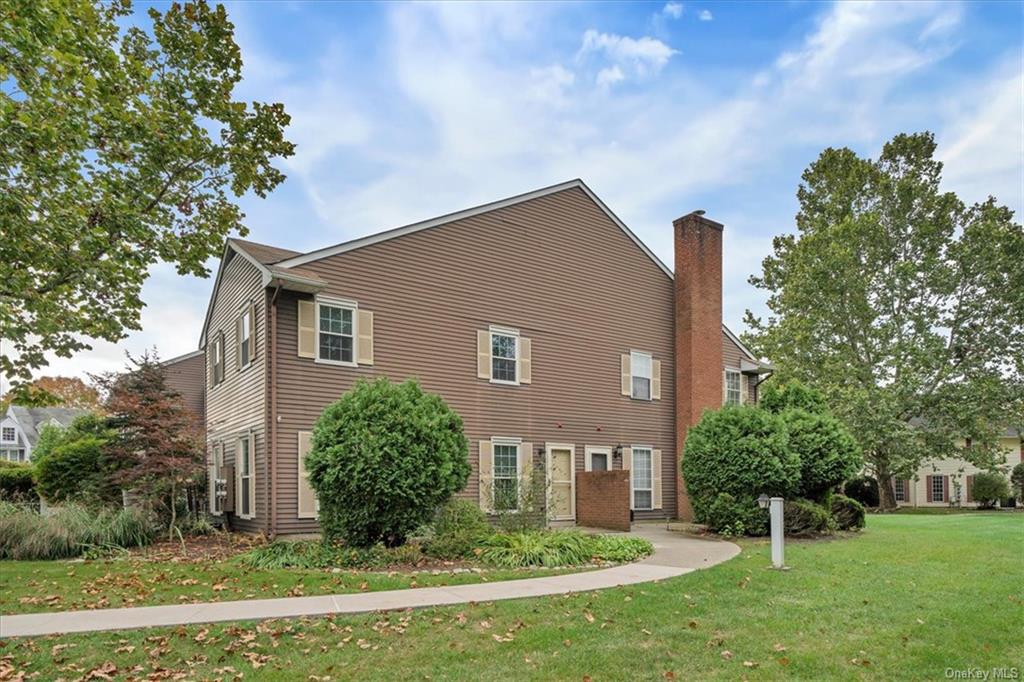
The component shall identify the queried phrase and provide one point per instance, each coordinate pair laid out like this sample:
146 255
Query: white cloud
641 56
673 9
610 76
705 15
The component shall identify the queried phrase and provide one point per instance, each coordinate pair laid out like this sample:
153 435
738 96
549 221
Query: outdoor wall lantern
774 507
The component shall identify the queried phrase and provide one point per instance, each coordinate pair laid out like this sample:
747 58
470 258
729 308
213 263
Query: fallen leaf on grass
727 655
778 647
784 661
750 664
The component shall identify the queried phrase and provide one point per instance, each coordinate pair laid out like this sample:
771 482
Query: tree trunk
886 492
174 511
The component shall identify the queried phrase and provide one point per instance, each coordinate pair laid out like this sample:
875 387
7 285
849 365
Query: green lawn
908 598
35 586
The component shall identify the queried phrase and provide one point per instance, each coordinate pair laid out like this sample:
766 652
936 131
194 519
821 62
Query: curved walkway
674 554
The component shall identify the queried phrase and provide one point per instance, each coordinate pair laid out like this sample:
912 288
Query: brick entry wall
602 499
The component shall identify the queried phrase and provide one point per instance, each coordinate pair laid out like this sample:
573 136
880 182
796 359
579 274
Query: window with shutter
245 328
733 388
308 506
245 465
643 478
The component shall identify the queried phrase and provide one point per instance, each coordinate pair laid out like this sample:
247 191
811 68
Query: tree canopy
902 304
123 146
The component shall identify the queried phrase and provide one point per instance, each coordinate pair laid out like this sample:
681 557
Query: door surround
548 449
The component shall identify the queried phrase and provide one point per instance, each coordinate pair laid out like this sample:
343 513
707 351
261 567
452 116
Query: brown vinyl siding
237 405
556 268
187 376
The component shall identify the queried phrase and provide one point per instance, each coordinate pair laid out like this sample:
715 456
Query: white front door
561 471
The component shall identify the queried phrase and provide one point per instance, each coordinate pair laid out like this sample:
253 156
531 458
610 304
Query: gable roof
32 419
282 265
468 213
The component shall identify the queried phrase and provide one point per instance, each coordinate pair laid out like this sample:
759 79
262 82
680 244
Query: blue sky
403 112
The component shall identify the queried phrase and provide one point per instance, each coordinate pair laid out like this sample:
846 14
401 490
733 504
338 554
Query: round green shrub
77 470
384 458
847 513
792 395
805 518
864 489
1017 480
828 453
989 488
730 516
459 528
743 451
16 482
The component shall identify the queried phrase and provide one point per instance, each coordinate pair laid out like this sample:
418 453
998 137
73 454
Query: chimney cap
698 216
699 211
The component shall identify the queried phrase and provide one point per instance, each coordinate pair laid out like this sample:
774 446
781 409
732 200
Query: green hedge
828 452
16 482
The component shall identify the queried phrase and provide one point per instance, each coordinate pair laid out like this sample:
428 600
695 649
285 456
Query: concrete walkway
674 554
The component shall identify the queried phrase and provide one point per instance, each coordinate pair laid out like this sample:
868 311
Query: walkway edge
63 622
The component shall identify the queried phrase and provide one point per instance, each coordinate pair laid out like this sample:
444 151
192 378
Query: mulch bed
213 547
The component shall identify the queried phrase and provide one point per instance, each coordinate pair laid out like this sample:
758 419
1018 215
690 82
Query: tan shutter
744 389
238 342
525 361
483 354
252 332
364 346
307 329
486 469
627 378
307 498
627 464
655 379
656 479
526 473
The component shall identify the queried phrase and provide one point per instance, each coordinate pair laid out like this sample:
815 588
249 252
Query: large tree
122 147
57 390
903 304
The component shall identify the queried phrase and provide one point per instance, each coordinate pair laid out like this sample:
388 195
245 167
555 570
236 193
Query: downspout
272 414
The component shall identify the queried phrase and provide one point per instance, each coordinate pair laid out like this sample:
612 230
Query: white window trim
503 331
517 443
739 374
243 315
941 496
901 496
633 374
632 478
252 476
14 430
336 303
218 353
218 473
590 450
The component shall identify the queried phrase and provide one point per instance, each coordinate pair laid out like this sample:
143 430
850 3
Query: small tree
743 451
158 446
989 487
384 458
72 464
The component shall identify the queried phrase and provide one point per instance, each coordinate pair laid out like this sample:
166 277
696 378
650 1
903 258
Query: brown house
557 335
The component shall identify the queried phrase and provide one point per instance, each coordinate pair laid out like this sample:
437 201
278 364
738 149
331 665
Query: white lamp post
774 505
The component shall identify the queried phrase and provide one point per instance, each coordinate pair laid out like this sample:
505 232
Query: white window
13 455
246 477
938 489
733 393
8 434
218 358
506 477
901 490
640 368
245 338
218 487
643 479
335 333
504 357
599 461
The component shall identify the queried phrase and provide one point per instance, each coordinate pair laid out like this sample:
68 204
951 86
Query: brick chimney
698 301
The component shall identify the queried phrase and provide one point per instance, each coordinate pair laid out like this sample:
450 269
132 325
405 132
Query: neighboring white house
19 430
946 482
